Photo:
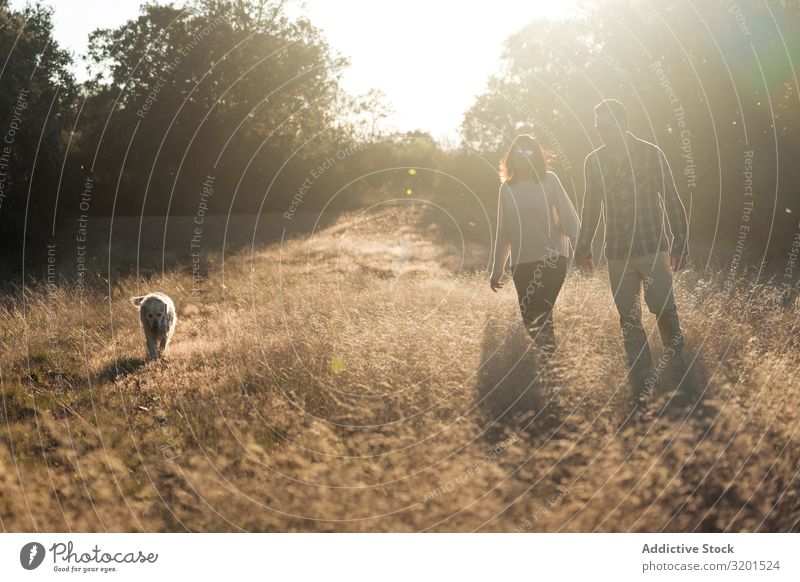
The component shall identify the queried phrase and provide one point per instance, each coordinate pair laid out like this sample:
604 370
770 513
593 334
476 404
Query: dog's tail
137 301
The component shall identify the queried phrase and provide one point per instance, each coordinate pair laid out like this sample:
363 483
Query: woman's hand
495 285
585 265
678 261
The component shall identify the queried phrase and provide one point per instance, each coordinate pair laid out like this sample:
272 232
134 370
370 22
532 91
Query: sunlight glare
429 58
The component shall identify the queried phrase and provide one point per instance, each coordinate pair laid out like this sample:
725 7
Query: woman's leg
526 279
554 273
538 285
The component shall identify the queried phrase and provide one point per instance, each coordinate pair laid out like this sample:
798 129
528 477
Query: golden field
365 378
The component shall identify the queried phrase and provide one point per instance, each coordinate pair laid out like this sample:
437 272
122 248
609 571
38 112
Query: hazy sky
430 57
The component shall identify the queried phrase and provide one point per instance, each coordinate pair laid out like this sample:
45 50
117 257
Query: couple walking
631 181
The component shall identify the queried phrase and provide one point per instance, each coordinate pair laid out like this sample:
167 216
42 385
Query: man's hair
615 108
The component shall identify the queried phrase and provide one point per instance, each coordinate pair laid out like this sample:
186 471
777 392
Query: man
632 182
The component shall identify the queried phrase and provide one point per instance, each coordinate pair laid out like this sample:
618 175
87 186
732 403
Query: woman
535 224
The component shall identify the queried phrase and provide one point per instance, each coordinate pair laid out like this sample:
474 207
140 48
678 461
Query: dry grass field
365 378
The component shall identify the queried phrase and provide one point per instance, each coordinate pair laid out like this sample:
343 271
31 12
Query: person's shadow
517 382
679 391
686 389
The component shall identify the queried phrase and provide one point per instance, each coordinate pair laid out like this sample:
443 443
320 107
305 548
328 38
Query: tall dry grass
356 381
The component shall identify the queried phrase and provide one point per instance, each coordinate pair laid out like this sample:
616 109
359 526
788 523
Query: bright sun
430 58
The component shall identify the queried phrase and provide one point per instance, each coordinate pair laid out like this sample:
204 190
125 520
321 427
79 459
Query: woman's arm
569 221
502 246
590 211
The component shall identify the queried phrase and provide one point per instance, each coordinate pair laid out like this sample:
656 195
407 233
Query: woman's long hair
513 164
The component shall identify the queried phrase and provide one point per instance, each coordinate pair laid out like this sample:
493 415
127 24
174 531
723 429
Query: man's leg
626 284
660 300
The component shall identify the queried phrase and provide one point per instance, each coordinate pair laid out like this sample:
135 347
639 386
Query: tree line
236 91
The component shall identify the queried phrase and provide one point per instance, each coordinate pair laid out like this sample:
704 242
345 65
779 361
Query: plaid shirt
634 191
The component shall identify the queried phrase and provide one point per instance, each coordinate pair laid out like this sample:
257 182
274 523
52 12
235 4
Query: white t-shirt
535 221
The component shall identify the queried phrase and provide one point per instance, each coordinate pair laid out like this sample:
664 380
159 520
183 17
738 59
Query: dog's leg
168 335
173 318
152 346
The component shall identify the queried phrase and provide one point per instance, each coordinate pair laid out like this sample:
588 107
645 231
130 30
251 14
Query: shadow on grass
121 367
686 391
149 246
517 381
680 392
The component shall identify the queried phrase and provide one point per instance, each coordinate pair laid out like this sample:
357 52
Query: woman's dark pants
538 284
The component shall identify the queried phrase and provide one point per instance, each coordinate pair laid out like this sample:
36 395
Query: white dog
157 312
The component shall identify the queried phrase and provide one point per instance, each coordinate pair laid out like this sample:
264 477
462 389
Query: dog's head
152 311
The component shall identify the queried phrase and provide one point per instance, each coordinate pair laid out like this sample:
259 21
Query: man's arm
676 213
590 209
502 246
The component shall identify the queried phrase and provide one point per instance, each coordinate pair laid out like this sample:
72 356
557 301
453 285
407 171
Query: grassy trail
360 380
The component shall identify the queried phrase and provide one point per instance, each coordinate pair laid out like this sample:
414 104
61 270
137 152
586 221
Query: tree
229 88
697 78
35 96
